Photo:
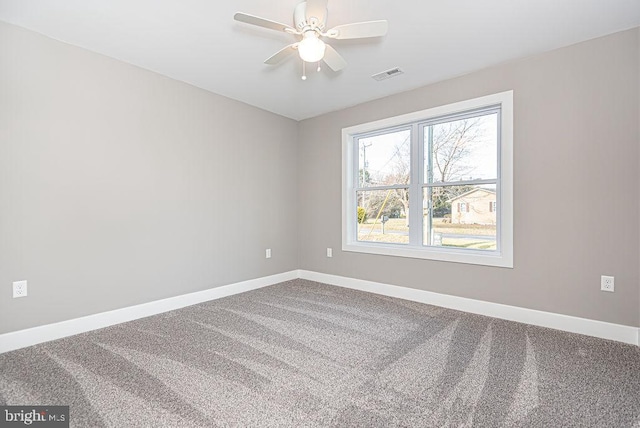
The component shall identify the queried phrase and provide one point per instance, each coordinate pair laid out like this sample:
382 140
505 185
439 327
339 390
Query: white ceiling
197 41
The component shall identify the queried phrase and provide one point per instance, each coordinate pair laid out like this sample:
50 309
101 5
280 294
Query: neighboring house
477 206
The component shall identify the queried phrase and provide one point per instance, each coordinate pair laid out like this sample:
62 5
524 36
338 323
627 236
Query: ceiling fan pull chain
319 68
304 74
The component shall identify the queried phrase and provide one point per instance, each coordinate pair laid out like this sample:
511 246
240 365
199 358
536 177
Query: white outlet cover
19 289
607 283
267 253
329 252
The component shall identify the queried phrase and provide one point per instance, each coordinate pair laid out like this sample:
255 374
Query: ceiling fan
309 20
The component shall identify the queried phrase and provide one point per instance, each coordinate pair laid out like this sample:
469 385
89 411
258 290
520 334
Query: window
428 184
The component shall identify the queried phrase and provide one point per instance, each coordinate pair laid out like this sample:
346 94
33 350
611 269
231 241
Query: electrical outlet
606 283
267 253
329 252
19 289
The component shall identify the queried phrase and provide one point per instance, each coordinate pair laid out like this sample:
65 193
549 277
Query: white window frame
503 257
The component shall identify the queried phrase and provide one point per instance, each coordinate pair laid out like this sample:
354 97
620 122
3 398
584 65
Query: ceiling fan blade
359 30
333 59
281 55
261 22
317 9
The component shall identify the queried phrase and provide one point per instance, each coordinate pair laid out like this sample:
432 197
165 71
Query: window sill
478 257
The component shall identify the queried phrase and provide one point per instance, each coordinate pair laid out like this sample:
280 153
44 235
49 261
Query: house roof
493 192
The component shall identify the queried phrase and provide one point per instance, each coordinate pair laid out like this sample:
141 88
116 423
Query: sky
385 152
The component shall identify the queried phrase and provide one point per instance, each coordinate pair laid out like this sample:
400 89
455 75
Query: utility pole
364 171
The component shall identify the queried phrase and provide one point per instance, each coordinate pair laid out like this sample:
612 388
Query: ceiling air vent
387 74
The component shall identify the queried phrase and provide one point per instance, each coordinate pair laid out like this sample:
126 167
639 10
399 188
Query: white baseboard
604 330
33 336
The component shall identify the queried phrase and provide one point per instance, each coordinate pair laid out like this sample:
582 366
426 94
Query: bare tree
401 173
451 145
402 169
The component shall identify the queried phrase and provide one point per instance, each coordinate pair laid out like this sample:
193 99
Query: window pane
383 216
384 159
462 149
460 216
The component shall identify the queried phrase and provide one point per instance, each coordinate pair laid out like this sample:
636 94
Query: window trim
504 187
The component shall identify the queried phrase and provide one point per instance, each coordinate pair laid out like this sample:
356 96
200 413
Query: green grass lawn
396 231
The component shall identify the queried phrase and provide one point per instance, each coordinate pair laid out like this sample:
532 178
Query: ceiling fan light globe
311 49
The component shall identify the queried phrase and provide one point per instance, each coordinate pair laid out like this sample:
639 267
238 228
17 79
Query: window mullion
415 199
429 180
463 182
355 181
394 186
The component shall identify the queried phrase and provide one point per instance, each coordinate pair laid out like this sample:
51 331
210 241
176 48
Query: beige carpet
303 354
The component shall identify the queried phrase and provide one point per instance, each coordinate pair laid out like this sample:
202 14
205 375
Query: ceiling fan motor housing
300 18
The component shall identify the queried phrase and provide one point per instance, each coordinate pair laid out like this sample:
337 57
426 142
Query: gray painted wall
119 186
576 159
